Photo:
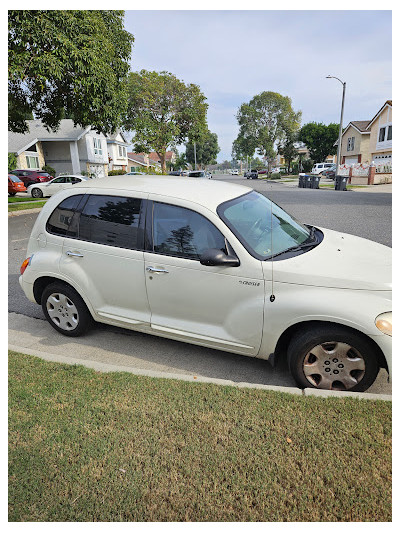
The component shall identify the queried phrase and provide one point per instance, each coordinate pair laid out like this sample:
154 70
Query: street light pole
194 155
339 149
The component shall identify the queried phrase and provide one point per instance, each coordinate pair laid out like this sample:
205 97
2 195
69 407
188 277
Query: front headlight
384 323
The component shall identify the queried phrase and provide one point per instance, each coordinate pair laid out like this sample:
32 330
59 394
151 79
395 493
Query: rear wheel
12 193
333 358
65 310
36 193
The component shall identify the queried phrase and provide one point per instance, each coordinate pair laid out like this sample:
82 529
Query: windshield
263 235
13 178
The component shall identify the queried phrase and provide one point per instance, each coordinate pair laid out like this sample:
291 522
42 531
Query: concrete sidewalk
382 187
115 350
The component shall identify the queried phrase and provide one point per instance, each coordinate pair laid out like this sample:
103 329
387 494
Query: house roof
112 138
168 156
19 142
140 158
387 103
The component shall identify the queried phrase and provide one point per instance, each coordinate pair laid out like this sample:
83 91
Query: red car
15 185
29 177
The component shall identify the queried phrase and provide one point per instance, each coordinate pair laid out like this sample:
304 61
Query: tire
36 193
12 193
332 357
65 310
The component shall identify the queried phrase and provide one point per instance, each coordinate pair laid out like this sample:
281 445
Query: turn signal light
25 264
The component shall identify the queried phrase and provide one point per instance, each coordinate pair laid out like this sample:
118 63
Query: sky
234 55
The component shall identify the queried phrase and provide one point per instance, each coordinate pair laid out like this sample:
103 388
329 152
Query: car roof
204 192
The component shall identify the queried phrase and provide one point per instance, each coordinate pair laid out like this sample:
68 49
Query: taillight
25 264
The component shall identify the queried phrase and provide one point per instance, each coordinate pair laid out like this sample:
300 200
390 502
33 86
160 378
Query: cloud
234 55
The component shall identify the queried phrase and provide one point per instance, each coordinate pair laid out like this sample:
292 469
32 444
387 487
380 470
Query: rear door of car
103 255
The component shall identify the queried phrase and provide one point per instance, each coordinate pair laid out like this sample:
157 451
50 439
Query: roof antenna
272 297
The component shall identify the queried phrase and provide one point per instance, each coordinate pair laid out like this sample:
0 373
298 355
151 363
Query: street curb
104 367
24 211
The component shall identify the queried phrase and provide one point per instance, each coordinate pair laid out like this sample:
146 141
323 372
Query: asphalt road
363 214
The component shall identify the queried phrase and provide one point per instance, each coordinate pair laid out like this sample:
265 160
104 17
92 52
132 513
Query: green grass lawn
91 446
24 205
16 199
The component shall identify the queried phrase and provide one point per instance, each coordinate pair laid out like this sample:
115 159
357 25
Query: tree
67 63
267 119
207 149
180 161
288 149
319 139
163 111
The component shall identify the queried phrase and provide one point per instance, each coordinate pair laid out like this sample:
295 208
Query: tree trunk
162 155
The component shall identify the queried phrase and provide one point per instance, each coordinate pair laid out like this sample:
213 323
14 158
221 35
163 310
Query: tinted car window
111 220
184 233
61 217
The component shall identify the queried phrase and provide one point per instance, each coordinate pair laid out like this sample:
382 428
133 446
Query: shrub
50 170
117 172
12 161
275 176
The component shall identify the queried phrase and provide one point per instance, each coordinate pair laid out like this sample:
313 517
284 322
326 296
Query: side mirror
216 257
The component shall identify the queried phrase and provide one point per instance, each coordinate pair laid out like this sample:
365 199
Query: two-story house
71 149
117 148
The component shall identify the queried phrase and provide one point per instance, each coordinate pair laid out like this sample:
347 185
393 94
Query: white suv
215 264
318 168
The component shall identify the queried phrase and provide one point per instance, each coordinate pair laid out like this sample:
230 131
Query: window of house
110 220
121 151
97 146
382 132
389 133
32 161
350 144
181 232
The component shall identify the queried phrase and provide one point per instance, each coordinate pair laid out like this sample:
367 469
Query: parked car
176 173
202 273
55 185
199 174
318 168
135 174
15 185
252 174
330 172
234 172
263 171
29 177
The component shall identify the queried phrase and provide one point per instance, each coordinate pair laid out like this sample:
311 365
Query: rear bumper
27 288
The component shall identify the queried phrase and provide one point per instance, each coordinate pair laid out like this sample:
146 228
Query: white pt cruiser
218 265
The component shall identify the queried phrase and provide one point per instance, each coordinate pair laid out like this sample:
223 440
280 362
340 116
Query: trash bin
301 180
308 181
341 183
315 182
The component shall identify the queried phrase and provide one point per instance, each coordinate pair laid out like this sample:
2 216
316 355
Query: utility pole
194 144
339 148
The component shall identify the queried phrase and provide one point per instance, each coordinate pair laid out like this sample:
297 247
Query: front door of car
103 255
216 306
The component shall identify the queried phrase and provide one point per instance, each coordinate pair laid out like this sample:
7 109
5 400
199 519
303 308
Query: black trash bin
315 182
341 183
301 181
308 181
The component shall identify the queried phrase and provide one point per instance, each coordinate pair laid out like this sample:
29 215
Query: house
117 148
70 149
364 141
355 143
141 161
170 157
380 141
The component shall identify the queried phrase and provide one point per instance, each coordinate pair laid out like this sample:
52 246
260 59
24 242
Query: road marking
19 240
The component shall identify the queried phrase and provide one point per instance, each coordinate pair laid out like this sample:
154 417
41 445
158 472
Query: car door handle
74 254
152 269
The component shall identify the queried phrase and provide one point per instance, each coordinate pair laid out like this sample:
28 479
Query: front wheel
65 310
12 193
36 193
333 358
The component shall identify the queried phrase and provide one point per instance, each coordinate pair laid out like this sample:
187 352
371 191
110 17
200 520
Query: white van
320 167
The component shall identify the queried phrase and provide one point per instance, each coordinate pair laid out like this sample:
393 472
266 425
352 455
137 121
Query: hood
340 260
